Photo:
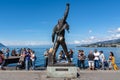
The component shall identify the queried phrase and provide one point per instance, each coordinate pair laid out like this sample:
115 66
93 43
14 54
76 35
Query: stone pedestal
62 70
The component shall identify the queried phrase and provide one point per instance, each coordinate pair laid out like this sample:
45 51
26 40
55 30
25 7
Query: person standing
3 50
78 61
113 61
46 57
91 60
96 59
27 59
33 59
2 60
71 54
61 56
110 62
13 53
18 52
7 53
81 57
102 59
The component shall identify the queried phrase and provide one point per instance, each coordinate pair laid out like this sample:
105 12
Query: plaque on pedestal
64 70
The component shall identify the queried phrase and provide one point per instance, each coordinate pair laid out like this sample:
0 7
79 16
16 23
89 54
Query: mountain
109 43
1 45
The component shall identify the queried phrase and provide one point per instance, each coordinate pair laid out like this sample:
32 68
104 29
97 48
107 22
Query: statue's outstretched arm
66 12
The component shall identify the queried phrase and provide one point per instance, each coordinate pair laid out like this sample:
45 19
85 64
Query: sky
30 22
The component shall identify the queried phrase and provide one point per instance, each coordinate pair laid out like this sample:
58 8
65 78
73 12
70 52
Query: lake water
39 50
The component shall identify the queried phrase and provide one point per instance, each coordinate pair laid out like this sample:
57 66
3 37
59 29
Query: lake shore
41 75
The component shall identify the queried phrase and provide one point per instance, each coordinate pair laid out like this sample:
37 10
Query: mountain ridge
107 43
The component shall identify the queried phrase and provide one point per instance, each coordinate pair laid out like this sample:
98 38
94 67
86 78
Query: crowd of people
26 61
96 60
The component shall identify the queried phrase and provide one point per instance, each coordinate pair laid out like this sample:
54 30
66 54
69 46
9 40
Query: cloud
118 30
115 33
86 41
77 42
115 30
115 36
25 43
92 37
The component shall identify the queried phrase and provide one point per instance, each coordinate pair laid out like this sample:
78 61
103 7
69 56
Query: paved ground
99 75
41 75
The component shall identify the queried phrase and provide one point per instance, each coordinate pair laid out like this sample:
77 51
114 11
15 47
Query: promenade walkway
41 75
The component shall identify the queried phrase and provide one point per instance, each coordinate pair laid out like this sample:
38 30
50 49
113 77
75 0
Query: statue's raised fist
67 4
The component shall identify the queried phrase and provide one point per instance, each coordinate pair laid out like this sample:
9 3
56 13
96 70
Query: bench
11 59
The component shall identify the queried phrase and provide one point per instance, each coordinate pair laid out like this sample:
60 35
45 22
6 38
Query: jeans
2 64
27 64
102 65
110 65
96 62
33 65
78 63
81 64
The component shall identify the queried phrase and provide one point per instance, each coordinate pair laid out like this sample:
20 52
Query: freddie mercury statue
59 34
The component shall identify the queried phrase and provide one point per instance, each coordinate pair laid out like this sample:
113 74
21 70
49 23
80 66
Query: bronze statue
59 33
